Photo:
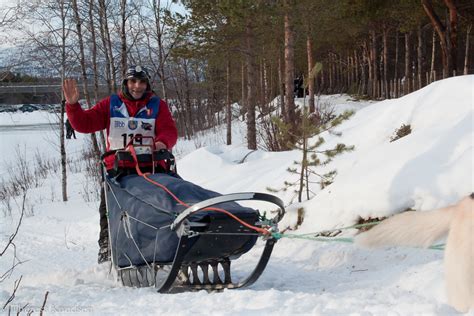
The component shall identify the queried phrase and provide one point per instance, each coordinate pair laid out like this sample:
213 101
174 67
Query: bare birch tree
123 37
107 45
51 45
78 20
93 43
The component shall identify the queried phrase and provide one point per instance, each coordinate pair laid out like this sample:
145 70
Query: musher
134 111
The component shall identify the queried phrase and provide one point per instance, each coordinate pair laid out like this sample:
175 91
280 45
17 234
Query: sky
429 168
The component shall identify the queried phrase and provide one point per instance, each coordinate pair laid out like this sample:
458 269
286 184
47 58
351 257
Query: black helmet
137 72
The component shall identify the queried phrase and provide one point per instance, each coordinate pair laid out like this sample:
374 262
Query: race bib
123 130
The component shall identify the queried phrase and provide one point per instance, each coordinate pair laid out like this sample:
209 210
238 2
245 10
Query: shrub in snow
403 131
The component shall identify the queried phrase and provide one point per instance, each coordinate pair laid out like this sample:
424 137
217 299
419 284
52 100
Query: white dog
423 229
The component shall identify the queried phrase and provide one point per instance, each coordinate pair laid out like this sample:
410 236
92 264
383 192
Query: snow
429 168
31 132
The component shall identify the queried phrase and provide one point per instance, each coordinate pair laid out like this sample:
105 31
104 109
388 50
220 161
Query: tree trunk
123 37
187 93
370 83
466 54
322 84
420 57
251 124
281 87
304 164
373 57
350 73
330 73
94 51
108 44
271 82
443 38
342 77
309 52
228 105
266 86
81 52
433 56
397 53
337 73
103 30
161 58
453 34
385 63
363 69
63 153
94 65
358 76
289 68
243 108
198 96
407 64
61 129
95 144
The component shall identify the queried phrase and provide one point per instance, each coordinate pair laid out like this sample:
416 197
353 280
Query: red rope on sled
216 209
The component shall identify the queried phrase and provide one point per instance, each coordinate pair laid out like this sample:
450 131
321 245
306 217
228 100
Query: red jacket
98 118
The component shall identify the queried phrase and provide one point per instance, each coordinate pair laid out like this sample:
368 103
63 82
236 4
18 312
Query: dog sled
176 236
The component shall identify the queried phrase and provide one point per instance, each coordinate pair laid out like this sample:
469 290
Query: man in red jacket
135 111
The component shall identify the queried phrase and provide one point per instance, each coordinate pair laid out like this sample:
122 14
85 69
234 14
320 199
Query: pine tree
308 141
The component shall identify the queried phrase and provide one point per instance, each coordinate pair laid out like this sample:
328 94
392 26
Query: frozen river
26 134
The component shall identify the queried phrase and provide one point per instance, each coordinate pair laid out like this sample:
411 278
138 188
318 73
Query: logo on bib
146 126
119 124
132 124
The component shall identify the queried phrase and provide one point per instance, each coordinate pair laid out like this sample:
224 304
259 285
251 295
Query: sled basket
172 234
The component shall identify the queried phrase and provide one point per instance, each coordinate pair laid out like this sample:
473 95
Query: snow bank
429 168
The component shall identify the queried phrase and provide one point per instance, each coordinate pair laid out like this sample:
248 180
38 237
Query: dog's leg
459 258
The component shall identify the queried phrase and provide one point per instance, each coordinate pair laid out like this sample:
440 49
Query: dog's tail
412 229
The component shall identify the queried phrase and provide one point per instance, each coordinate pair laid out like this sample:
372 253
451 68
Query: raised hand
71 94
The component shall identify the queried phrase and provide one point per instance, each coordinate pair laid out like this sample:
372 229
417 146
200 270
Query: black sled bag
140 212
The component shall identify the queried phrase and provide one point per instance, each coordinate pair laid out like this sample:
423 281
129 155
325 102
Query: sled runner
172 234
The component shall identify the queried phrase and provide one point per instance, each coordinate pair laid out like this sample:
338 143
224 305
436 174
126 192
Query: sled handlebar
231 198
136 138
122 155
125 155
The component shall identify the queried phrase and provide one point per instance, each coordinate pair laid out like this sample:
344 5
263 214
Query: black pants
104 225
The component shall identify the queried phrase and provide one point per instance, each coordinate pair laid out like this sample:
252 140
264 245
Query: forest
205 55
